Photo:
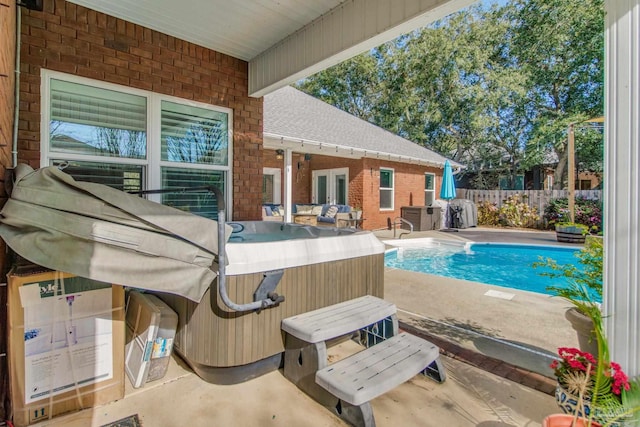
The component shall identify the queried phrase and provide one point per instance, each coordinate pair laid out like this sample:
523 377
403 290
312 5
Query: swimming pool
506 265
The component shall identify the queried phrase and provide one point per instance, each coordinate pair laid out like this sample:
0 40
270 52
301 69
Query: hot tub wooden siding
235 339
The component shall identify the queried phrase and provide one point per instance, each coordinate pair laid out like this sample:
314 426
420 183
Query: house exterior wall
79 41
7 81
7 102
318 162
408 189
364 183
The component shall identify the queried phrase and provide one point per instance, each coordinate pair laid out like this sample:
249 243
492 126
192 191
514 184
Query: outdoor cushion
326 219
268 211
316 210
331 212
304 209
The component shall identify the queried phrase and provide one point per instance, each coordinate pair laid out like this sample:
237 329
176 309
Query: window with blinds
136 140
201 202
127 178
98 122
193 135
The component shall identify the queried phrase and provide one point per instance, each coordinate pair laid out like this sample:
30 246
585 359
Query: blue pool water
504 265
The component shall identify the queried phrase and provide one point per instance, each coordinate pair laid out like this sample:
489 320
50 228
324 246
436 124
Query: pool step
347 386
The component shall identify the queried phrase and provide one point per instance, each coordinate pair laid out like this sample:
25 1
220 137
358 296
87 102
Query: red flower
574 360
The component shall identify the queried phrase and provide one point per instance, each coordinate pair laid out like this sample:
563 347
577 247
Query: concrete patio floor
458 314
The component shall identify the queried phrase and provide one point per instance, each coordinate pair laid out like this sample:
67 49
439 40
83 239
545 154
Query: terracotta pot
564 420
583 326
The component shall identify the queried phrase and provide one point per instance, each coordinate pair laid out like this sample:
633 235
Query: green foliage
586 212
631 402
585 283
488 213
572 227
584 292
514 212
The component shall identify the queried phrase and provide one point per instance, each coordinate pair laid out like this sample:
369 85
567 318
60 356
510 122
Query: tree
353 86
494 86
560 45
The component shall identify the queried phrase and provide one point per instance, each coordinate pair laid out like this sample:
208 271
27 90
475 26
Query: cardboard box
66 344
151 329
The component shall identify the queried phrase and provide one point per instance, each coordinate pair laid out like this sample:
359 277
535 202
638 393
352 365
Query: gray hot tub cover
98 232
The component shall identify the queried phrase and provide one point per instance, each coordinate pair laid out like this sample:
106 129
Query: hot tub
321 266
229 326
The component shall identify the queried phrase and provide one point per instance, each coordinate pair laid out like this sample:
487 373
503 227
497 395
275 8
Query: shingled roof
294 115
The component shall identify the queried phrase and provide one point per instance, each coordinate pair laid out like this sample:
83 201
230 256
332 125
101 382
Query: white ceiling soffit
283 40
353 27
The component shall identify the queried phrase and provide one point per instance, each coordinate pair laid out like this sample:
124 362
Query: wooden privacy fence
537 199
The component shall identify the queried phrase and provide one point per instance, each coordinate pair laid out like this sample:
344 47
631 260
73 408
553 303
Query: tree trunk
560 171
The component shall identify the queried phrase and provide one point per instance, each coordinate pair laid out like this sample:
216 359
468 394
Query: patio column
288 189
621 304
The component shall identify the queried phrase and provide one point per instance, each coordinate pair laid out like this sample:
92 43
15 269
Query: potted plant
604 393
571 232
577 391
593 392
584 290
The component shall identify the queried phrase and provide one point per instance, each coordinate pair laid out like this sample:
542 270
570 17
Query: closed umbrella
448 192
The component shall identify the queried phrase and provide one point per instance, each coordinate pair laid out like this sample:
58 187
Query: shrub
488 214
516 213
587 212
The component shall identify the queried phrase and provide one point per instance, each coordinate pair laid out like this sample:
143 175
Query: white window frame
152 164
391 189
277 183
431 191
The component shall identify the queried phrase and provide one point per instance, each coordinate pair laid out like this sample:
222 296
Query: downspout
16 113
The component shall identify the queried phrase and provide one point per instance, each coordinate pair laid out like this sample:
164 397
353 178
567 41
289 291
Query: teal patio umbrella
448 192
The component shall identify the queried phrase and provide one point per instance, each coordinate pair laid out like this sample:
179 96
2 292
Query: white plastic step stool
348 385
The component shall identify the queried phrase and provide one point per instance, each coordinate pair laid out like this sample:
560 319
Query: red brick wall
7 102
7 84
76 40
408 190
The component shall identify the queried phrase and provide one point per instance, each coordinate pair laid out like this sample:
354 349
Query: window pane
267 188
386 178
386 199
428 181
341 189
201 203
322 190
122 177
98 122
194 135
428 198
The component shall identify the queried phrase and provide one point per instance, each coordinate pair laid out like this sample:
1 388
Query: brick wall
7 82
76 40
7 100
408 189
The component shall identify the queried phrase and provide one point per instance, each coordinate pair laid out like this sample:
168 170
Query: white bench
347 386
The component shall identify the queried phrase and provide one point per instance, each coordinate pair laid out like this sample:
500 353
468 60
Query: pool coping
490 364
